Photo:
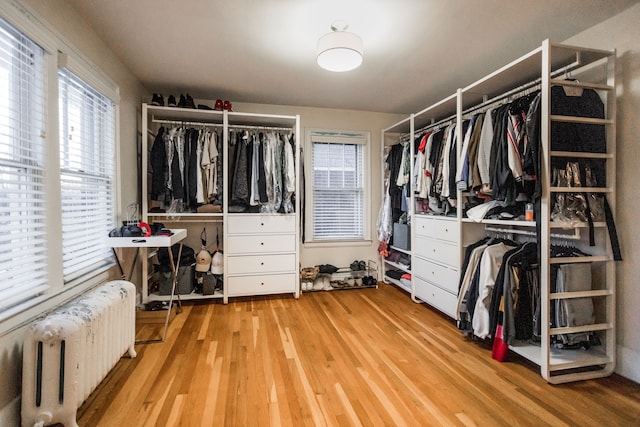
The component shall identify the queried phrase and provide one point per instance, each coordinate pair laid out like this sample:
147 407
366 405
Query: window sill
336 243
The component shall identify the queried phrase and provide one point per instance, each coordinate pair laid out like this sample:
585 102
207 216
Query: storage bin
402 236
186 280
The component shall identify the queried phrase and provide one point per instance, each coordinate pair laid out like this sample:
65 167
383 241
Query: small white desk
153 242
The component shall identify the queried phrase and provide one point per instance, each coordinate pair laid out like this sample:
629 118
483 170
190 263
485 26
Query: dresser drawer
424 225
447 230
438 250
260 243
261 285
251 264
436 297
260 223
445 277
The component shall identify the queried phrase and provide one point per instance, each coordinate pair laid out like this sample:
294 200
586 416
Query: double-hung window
23 233
58 175
339 185
87 175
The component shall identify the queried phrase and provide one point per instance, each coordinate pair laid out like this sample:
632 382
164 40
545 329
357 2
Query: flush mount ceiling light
339 50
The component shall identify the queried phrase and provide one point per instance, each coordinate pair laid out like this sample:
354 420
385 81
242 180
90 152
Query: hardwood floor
364 357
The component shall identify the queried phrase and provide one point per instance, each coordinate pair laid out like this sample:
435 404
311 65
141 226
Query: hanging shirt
489 266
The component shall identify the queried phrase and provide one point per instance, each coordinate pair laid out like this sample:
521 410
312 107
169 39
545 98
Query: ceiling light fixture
339 50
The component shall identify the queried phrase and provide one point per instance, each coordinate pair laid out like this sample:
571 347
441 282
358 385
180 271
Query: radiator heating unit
67 353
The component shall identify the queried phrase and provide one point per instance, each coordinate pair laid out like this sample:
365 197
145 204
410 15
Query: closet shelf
577 224
190 114
582 361
398 283
580 190
185 297
578 259
580 155
586 85
515 223
584 328
404 251
561 359
404 268
583 120
581 294
185 214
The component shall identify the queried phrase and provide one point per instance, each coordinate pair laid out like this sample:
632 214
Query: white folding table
153 242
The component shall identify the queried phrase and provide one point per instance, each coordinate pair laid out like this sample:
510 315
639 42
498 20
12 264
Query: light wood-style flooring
366 357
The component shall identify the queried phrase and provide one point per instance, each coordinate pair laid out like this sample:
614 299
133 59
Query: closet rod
183 123
520 90
405 137
260 127
206 124
575 236
439 123
523 88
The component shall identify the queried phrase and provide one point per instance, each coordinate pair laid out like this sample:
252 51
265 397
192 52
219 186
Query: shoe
227 106
183 101
189 102
157 99
362 266
171 102
354 266
219 106
327 269
369 281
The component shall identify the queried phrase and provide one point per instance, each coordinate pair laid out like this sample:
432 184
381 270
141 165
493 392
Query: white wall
65 24
622 33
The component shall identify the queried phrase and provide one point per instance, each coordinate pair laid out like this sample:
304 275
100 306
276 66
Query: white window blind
87 175
23 256
338 188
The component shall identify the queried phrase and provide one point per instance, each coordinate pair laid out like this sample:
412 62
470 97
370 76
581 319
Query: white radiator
67 353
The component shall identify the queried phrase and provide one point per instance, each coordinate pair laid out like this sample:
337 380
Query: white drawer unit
261 254
261 223
268 243
436 262
438 250
447 230
262 284
264 263
443 276
424 226
436 296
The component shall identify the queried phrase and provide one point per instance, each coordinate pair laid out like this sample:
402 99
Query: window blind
23 256
87 175
338 190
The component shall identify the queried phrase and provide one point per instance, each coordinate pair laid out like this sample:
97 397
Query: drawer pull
262 263
261 243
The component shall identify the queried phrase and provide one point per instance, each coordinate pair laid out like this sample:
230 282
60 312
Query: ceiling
263 51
